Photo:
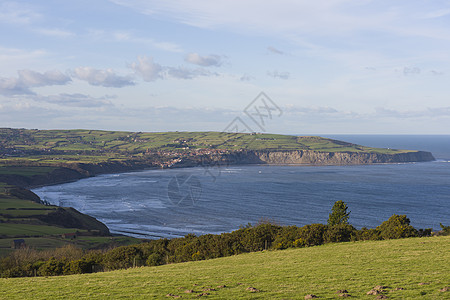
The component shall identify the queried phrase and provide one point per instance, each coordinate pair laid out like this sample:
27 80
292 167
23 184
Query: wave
442 161
288 194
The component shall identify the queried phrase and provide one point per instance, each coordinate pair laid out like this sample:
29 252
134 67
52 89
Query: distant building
18 244
69 236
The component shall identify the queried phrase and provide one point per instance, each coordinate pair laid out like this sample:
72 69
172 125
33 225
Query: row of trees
264 236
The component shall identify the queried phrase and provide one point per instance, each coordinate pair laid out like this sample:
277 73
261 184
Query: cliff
275 157
323 158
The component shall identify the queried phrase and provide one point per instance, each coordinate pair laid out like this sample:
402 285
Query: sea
175 202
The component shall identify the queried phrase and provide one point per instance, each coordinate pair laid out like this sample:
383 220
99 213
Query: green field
417 265
32 230
25 171
83 242
21 218
89 142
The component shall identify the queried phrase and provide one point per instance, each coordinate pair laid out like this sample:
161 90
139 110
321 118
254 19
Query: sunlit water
149 203
137 203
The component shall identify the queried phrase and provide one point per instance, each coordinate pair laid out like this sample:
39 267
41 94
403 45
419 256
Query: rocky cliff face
324 158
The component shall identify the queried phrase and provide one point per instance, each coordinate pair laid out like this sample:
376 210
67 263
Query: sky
285 66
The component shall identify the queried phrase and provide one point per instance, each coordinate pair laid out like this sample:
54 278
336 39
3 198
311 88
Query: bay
175 202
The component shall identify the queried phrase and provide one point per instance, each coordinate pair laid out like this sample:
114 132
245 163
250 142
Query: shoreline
159 194
133 170
152 236
67 173
143 167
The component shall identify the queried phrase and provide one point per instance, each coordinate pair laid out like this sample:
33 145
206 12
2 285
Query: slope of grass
84 242
32 230
288 274
94 141
25 171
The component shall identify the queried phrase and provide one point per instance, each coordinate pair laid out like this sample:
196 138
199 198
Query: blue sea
175 202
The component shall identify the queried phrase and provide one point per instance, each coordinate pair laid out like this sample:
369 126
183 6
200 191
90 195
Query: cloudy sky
334 66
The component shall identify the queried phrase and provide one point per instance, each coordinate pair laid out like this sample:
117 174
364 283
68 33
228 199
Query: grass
21 218
24 213
12 229
84 242
14 211
25 171
96 142
35 243
15 203
288 274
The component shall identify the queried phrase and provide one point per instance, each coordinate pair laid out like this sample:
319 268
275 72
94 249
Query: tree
396 227
339 214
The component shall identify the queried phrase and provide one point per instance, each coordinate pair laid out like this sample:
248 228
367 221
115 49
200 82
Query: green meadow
89 142
413 268
20 218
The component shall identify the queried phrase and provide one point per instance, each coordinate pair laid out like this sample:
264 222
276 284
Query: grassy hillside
417 265
42 226
85 142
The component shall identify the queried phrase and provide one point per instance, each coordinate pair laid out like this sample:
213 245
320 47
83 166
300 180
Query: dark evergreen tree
339 214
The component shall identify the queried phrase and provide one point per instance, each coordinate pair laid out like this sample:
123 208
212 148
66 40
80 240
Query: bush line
263 236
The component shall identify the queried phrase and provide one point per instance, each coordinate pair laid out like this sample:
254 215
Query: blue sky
335 66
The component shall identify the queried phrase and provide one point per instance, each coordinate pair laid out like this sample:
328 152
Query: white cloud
15 13
151 71
430 113
12 57
147 69
124 36
13 86
273 16
297 110
280 75
34 79
74 100
246 77
411 71
437 13
186 73
54 32
204 61
310 20
106 78
167 46
28 79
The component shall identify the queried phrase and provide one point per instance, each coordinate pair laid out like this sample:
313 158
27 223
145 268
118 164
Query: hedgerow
265 236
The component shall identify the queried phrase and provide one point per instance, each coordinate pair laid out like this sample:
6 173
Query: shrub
14 272
396 227
182 249
424 232
122 257
286 237
368 234
52 267
260 237
154 259
312 235
445 229
79 266
339 233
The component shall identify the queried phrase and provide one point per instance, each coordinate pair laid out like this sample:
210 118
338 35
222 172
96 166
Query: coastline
313 186
74 172
270 158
